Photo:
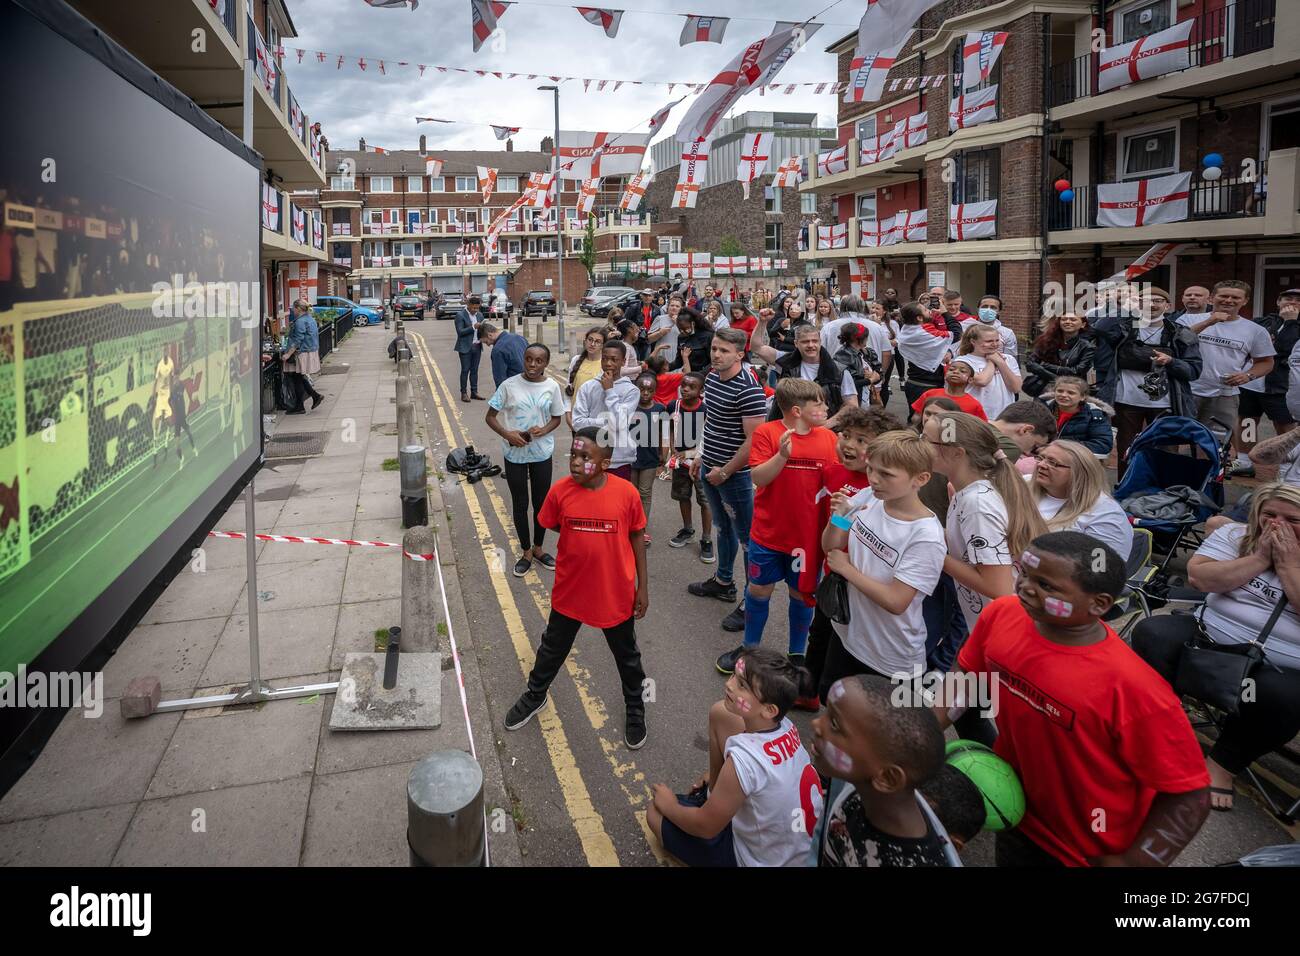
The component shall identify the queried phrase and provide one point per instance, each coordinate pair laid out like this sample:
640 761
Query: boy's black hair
597 436
657 364
1088 555
956 801
642 376
909 736
696 376
1030 411
873 419
775 680
613 344
539 345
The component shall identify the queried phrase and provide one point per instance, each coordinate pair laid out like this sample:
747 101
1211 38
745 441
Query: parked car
539 303
622 300
599 296
499 306
450 304
332 307
411 303
377 305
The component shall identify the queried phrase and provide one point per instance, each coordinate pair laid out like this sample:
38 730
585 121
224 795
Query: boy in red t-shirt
956 379
1112 772
786 459
600 577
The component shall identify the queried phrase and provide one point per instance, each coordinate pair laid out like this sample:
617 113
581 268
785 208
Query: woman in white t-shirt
997 376
1246 570
991 519
1068 487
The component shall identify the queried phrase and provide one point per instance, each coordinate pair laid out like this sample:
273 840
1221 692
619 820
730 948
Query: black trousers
557 641
839 663
518 478
913 390
1261 726
1013 849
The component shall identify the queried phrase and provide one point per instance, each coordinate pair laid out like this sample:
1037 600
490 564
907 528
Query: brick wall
1235 139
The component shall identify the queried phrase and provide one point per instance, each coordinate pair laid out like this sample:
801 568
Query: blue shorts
768 567
693 850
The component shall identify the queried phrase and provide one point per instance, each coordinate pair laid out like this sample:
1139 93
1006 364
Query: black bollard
390 658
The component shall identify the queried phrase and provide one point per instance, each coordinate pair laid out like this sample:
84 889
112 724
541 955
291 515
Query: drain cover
296 445
334 370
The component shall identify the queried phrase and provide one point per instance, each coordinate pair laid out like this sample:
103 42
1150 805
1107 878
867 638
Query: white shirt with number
783 797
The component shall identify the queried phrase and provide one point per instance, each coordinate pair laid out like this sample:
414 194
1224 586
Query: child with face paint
761 799
1093 732
955 382
600 577
877 753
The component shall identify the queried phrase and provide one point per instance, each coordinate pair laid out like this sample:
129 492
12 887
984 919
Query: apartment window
772 238
507 184
1143 19
575 244
543 247
771 199
1150 152
466 184
866 128
866 204
437 184
629 240
409 249
808 204
381 184
670 244
415 184
512 247
342 182
977 176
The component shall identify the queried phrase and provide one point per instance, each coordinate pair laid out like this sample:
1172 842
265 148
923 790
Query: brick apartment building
1055 120
392 226
770 222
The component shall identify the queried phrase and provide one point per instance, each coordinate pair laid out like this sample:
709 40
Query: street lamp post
559 219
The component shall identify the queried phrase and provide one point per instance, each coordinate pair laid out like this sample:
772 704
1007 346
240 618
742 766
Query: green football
1004 798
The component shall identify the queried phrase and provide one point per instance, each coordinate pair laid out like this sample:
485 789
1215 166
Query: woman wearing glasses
1068 487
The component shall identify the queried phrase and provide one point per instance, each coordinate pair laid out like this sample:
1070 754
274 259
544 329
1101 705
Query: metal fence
1223 198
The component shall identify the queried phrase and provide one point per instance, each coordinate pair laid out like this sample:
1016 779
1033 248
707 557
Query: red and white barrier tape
304 539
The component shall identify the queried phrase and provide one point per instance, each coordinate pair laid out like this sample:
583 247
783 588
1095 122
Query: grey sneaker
681 538
706 551
524 710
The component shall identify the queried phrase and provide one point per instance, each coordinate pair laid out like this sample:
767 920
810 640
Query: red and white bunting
761 263
913 131
634 192
505 132
973 220
703 29
779 264
789 174
587 196
915 223
607 20
833 161
433 167
756 65
538 195
379 4
432 119
971 109
656 267
1145 57
887 22
868 70
862 279
1145 202
692 265
979 53
657 121
484 15
690 175
731 265
487 181
755 151
585 155
833 237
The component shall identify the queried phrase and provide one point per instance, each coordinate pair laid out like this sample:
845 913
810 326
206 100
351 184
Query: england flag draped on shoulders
1145 202
979 53
973 220
755 151
1145 57
703 29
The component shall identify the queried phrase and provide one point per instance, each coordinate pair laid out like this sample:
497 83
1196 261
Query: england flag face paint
1029 559
1058 608
837 758
588 467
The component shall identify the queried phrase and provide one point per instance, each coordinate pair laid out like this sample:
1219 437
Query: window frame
957 191
441 184
634 243
379 179
503 184
1121 151
772 196
669 244
857 127
419 184
807 204
473 181
770 247
1117 18
344 180
875 203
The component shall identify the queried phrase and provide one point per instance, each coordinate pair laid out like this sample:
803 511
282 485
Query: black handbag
833 597
1215 673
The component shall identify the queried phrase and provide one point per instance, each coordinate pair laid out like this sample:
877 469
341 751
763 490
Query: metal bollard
444 810
403 388
405 425
414 470
419 587
390 658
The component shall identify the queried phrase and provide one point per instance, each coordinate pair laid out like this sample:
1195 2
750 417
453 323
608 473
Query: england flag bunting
889 22
731 265
761 264
539 192
270 208
587 196
657 121
1144 203
690 175
779 264
691 265
789 173
433 167
979 53
484 15
703 29
833 237
756 65
607 20
1145 57
487 181
868 70
862 279
382 4
833 161
505 132
971 109
755 151
973 220
655 267
633 193
585 155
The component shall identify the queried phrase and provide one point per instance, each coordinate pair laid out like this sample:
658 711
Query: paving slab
315 581
306 511
175 653
290 642
364 704
190 596
80 838
357 623
358 818
284 552
373 574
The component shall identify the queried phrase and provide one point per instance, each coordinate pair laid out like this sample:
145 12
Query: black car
409 305
628 300
450 304
539 303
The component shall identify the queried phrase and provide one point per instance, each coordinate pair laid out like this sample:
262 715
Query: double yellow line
596 843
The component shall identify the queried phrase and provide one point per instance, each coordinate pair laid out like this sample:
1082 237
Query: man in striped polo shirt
734 405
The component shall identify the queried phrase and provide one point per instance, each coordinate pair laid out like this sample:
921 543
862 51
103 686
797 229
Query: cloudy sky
545 38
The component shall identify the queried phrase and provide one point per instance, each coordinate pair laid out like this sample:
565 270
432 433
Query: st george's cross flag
973 220
915 224
888 22
505 132
703 29
1143 264
833 161
392 4
868 150
690 176
868 70
756 65
585 155
730 265
691 265
755 151
656 267
633 193
913 131
433 167
1145 57
862 279
484 15
538 195
979 52
587 196
607 20
657 121
789 173
833 237
1145 202
873 232
971 109
487 181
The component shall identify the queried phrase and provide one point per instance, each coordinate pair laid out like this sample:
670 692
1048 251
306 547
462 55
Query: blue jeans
469 369
945 626
732 505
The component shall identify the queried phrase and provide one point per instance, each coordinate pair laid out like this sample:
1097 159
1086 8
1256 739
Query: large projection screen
128 407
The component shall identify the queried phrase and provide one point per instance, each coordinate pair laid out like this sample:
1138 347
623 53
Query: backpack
466 461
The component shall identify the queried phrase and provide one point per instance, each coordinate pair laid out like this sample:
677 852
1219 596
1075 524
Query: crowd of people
973 534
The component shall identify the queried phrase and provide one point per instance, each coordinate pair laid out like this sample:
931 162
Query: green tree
730 246
588 257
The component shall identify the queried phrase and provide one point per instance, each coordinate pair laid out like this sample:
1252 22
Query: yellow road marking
631 780
597 846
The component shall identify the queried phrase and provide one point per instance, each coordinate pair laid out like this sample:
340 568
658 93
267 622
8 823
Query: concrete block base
362 703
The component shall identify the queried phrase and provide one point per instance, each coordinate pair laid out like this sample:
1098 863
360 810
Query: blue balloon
1067 195
1212 159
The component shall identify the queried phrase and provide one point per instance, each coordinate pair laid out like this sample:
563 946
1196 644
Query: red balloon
1061 185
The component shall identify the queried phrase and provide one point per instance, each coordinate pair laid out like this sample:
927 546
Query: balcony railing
340 229
264 65
1217 199
226 12
1240 28
343 261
